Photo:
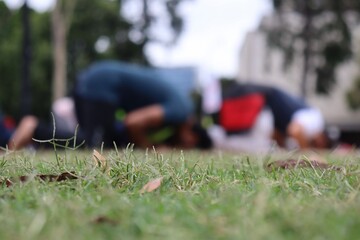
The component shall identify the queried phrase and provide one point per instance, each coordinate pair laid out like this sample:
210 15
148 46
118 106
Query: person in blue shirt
30 128
149 100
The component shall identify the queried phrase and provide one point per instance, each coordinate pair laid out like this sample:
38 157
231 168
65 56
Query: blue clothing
283 106
131 87
182 78
5 133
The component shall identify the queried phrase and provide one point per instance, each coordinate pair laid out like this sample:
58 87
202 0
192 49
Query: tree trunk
25 101
59 51
307 48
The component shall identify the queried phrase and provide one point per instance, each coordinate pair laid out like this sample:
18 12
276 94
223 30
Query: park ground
128 194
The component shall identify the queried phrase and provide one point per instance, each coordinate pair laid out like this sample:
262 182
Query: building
259 63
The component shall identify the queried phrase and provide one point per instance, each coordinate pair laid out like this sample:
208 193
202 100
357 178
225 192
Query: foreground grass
202 196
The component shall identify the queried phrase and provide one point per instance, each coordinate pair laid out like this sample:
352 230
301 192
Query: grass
202 196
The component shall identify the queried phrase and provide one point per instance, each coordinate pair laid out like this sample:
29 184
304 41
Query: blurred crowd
116 103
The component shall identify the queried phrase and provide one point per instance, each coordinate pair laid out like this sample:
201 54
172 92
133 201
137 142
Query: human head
203 139
320 141
193 135
326 139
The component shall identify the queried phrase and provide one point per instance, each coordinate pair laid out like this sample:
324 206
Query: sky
213 34
212 37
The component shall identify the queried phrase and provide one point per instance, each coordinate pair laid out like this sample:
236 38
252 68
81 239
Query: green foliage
41 65
176 22
11 62
10 40
102 19
91 20
95 20
353 95
324 31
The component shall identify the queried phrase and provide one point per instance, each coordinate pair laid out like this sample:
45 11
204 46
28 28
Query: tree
322 30
95 23
102 23
60 19
11 35
353 94
147 19
25 100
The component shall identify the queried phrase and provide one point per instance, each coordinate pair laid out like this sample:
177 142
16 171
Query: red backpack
239 113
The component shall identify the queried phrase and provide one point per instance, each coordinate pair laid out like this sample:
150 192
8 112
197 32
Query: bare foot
23 133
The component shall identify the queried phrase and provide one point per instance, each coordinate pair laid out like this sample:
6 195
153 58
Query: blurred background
310 48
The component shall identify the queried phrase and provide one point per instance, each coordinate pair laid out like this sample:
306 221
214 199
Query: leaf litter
152 185
303 163
43 177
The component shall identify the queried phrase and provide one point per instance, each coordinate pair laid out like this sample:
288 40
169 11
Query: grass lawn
209 195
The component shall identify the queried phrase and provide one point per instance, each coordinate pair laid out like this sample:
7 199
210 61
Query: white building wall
261 64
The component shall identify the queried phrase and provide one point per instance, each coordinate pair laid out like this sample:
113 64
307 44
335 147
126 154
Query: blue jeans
5 133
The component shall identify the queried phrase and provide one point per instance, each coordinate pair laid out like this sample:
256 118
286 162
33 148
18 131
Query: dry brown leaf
292 163
44 177
104 219
152 185
317 158
100 161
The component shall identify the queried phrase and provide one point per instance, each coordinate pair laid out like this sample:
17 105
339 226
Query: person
5 132
295 121
149 100
32 131
30 127
241 123
255 140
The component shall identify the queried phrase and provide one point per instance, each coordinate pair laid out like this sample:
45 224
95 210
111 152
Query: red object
9 122
240 113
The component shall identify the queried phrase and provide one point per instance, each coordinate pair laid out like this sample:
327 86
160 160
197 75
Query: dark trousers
97 122
4 134
45 131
